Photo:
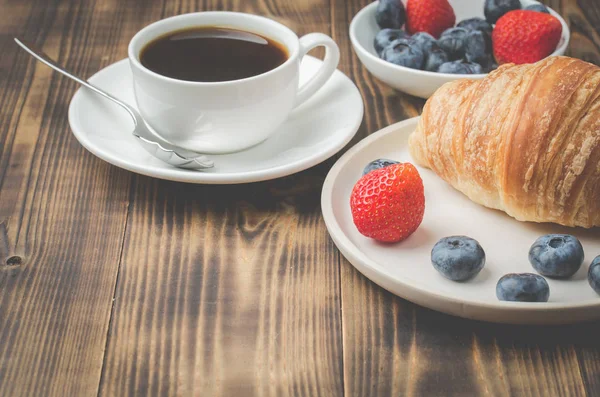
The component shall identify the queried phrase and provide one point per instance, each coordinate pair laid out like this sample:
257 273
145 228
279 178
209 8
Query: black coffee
210 54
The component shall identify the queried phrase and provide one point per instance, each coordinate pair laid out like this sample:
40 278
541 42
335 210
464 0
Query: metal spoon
154 145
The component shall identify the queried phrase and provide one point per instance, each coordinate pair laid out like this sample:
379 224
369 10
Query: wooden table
114 284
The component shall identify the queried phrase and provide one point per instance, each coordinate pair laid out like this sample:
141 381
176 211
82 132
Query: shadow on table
301 190
579 334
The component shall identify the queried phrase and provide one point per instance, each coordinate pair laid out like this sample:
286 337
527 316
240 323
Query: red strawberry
431 16
523 36
388 204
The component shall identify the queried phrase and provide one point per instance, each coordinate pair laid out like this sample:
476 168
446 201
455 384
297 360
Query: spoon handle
41 56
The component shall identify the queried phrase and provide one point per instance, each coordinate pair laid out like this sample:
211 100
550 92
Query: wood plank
229 290
588 353
583 18
62 211
393 347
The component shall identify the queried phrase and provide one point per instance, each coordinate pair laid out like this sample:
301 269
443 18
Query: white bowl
419 82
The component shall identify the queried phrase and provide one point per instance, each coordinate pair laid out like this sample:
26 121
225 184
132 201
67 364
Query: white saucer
405 268
314 132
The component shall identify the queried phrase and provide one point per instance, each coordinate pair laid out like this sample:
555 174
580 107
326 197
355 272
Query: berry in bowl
416 46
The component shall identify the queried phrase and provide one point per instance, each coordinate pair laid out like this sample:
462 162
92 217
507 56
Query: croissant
524 140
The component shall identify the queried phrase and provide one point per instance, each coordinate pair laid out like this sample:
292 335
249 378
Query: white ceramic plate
419 82
405 268
315 131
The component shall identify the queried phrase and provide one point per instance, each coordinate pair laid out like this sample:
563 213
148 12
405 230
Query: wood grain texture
226 296
62 211
398 348
393 347
220 290
583 18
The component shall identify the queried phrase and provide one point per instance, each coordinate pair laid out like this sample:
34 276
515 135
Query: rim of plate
199 177
353 254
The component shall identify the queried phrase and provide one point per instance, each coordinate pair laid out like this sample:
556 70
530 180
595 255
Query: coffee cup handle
330 63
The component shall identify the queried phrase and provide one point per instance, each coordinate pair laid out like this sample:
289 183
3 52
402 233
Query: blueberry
377 164
390 14
538 8
458 258
460 67
434 54
424 40
435 58
476 49
480 25
522 287
404 52
476 24
556 255
386 36
594 274
488 63
454 42
494 9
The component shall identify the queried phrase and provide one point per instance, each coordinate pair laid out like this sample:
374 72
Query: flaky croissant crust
524 140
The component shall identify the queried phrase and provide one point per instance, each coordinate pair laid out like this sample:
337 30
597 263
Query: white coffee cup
228 116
